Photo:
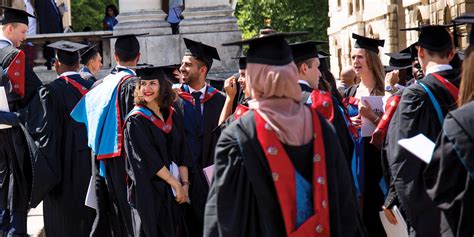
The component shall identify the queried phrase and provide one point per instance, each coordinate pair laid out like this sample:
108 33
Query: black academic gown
15 158
372 194
199 187
415 115
62 143
449 177
243 199
114 213
148 148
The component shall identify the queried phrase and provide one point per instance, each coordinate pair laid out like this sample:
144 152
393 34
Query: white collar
69 73
304 83
3 38
438 68
131 70
202 90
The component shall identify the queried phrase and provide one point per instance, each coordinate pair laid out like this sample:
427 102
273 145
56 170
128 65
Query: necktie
197 108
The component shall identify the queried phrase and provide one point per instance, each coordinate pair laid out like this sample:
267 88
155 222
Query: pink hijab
276 96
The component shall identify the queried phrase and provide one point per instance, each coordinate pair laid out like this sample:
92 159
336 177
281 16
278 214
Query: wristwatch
388 88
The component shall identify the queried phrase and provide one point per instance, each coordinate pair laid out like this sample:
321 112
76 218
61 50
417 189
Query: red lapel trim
16 74
189 98
453 90
390 108
82 89
165 127
283 174
240 110
322 102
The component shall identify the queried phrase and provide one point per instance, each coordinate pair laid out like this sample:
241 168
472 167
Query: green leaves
286 15
89 13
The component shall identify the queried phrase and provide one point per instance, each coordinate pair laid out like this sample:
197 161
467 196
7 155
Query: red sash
453 90
382 128
16 74
210 92
283 174
322 102
163 126
82 89
240 110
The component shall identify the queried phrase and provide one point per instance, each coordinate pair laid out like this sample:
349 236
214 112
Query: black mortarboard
435 38
412 50
201 51
467 18
363 42
270 49
150 73
399 61
305 50
242 62
88 54
169 72
67 52
126 43
12 15
323 55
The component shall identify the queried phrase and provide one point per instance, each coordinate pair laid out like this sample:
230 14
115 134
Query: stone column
200 15
141 16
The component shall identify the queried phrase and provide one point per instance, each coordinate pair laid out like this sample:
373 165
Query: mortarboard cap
168 70
467 18
412 50
126 43
201 51
12 15
435 38
399 61
323 55
88 54
242 62
363 42
305 50
150 73
270 49
67 52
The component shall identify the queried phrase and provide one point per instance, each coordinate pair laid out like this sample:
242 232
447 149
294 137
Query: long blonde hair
466 90
376 68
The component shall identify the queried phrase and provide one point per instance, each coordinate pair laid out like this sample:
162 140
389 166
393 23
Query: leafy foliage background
285 15
89 13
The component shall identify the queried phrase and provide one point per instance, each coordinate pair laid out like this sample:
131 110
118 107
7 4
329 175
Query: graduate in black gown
366 166
422 109
157 158
114 95
63 145
271 179
306 58
92 63
201 105
449 177
20 84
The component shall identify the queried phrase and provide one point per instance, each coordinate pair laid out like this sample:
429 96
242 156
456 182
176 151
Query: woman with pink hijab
279 169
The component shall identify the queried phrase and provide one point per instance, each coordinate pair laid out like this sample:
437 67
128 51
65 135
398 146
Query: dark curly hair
166 95
113 7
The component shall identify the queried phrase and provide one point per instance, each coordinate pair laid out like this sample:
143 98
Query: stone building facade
383 19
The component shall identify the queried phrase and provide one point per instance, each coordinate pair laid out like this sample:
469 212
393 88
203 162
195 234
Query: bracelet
185 182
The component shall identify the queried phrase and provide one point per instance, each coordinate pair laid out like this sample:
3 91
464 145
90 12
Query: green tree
285 15
89 13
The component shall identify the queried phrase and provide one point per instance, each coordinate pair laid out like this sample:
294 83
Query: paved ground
35 221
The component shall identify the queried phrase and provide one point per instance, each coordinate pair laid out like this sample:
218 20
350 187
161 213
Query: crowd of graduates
276 151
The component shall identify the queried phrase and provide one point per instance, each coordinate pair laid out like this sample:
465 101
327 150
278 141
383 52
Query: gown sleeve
141 152
231 206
